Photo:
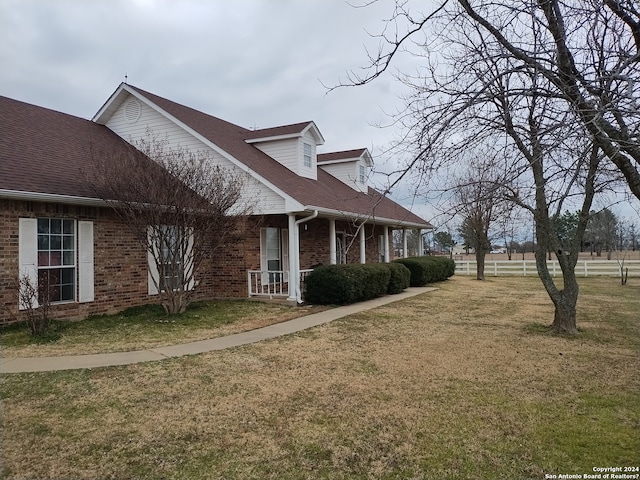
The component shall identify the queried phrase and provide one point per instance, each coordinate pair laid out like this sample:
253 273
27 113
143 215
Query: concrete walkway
48 364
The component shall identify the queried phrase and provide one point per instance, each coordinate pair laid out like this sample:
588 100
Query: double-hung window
170 259
56 260
55 255
307 155
361 174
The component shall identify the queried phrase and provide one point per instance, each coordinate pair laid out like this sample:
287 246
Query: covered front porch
290 248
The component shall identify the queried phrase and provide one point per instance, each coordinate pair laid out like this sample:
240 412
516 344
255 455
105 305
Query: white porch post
363 249
332 241
420 243
405 251
386 244
294 261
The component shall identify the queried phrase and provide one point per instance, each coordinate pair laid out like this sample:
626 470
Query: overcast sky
256 63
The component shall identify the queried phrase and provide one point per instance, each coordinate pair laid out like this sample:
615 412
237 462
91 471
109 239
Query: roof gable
327 192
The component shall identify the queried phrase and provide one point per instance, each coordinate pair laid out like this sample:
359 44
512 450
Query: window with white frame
56 260
362 177
274 254
55 255
341 247
307 155
171 261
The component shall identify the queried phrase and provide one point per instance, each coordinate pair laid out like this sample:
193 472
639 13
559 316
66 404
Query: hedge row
428 269
350 283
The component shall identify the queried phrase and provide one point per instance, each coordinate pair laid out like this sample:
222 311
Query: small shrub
343 284
400 278
34 300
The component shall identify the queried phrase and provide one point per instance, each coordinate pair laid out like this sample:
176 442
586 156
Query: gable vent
132 110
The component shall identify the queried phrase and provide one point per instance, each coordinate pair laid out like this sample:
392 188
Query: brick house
311 208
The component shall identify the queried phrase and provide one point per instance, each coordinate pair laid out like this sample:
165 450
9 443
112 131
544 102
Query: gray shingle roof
327 192
48 152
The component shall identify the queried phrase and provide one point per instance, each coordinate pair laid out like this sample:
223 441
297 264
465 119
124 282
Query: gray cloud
258 63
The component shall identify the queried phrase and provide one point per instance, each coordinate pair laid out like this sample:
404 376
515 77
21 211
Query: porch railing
272 283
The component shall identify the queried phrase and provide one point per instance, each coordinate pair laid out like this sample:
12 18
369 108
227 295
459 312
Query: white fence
584 268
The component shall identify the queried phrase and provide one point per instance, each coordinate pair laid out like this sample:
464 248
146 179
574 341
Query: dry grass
460 383
147 327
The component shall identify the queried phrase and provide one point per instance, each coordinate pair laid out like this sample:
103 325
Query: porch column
386 244
420 243
294 252
363 249
405 251
332 241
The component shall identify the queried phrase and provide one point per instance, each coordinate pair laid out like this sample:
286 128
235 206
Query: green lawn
460 383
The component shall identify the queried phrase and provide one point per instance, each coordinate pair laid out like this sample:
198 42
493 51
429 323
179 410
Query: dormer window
361 174
307 155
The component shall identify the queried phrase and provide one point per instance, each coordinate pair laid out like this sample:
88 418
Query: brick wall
120 262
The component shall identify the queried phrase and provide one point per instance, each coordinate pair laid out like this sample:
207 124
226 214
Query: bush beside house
400 278
350 283
426 270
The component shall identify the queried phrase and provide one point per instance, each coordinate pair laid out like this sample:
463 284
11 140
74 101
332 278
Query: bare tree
479 199
548 83
586 51
602 231
181 207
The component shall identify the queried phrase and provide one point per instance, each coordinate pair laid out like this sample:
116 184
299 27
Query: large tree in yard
181 207
549 84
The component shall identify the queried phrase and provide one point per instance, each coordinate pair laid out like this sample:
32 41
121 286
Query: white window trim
306 156
362 174
83 265
284 254
153 276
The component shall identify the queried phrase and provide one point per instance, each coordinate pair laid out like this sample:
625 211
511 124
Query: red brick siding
120 262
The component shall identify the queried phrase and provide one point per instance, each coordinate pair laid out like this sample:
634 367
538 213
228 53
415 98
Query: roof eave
51 197
338 214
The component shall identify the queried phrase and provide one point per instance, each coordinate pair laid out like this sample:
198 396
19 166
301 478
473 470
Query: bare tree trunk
564 317
564 300
480 256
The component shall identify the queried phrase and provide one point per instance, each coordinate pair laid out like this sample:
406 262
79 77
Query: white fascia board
51 197
338 214
315 131
273 137
367 157
340 160
109 107
211 145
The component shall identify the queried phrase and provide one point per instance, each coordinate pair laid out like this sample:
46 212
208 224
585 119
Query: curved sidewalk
48 364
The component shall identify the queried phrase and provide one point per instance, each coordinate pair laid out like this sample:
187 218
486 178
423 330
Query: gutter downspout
296 274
